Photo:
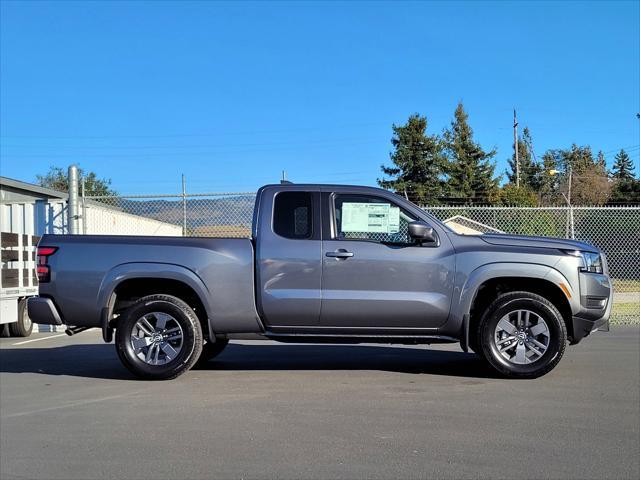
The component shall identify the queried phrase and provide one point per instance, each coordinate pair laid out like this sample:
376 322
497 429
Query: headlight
591 262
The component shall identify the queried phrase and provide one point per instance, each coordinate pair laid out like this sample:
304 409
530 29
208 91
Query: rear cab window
293 215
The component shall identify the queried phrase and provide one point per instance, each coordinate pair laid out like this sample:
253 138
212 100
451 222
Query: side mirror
421 232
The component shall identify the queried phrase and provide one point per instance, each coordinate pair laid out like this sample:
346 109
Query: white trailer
17 281
26 212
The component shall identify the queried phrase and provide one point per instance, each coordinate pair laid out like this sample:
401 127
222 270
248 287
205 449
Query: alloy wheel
522 337
156 338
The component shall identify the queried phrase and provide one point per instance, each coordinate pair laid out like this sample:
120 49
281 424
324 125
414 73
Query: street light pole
570 224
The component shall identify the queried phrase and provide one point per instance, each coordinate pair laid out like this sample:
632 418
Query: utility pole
515 147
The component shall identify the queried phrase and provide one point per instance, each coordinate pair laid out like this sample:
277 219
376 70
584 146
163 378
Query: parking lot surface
266 410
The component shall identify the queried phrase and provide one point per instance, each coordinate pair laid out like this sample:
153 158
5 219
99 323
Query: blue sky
231 94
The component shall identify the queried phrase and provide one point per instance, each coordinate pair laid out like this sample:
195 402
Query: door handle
339 254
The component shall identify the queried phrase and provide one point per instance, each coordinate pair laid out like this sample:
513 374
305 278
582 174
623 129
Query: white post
72 205
84 208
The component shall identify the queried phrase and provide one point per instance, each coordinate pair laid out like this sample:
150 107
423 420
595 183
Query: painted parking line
71 405
40 339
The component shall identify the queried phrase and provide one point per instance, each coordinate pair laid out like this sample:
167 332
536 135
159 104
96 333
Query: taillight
42 269
46 251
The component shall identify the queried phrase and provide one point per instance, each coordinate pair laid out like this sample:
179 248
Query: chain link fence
616 230
193 215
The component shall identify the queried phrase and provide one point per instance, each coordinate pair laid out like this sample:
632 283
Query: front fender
491 271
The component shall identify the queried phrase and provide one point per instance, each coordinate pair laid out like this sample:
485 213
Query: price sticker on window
370 218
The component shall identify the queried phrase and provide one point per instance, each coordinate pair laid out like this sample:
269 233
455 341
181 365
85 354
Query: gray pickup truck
326 263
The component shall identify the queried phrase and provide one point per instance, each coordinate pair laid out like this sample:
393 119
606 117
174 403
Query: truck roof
323 186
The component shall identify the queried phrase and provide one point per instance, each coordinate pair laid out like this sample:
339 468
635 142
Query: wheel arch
125 283
495 279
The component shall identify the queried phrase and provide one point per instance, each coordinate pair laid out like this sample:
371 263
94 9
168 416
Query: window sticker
370 218
394 219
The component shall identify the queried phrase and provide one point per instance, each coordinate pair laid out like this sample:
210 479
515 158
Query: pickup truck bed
87 271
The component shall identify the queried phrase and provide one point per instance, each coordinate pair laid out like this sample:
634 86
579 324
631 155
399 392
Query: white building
29 211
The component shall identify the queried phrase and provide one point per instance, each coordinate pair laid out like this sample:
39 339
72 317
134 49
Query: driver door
374 275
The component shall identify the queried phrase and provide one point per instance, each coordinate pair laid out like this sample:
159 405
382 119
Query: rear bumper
43 311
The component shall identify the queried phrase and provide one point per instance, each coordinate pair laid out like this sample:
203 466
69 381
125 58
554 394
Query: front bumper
595 306
582 327
42 310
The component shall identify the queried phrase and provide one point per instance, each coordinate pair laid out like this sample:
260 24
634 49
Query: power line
142 147
191 135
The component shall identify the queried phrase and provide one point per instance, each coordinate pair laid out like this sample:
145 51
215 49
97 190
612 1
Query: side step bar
355 338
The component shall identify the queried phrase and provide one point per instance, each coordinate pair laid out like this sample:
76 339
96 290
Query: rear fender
141 270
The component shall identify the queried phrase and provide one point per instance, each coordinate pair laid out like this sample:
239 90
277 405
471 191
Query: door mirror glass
421 232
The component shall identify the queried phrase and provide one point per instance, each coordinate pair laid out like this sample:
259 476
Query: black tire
4 330
182 314
24 326
510 302
211 350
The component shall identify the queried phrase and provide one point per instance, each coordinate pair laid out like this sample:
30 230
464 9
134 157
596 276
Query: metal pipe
72 206
71 331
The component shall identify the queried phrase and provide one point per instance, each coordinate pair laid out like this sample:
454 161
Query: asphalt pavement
266 410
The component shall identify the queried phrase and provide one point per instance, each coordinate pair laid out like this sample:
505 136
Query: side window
361 217
292 215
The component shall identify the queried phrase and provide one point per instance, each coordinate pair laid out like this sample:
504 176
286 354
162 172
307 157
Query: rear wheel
24 326
159 337
522 335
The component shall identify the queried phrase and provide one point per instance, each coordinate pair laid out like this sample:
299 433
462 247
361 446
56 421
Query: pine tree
470 169
626 188
549 181
417 162
530 170
623 168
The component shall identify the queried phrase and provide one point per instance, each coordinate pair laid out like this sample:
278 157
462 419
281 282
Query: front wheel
159 337
522 335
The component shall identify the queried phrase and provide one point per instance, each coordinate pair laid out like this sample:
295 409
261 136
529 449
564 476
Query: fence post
84 207
184 207
571 223
72 205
